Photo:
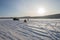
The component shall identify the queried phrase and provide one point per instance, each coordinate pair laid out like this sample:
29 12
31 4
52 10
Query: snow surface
32 30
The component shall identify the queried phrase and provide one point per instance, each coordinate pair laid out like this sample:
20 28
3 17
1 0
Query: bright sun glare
41 11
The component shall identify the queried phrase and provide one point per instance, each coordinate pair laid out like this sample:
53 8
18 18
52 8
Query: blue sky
28 7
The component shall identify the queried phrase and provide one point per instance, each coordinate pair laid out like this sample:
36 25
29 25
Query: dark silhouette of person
25 21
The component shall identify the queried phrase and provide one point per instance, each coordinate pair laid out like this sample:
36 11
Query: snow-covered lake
34 29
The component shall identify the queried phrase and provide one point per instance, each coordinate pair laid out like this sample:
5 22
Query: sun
41 11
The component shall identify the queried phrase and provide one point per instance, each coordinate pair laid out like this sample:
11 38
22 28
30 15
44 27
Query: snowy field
43 29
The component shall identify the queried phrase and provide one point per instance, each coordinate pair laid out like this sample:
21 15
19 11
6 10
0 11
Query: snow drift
32 30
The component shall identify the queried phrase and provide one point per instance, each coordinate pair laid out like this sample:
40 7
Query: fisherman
25 21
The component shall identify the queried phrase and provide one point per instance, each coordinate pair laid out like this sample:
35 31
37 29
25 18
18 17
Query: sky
20 8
